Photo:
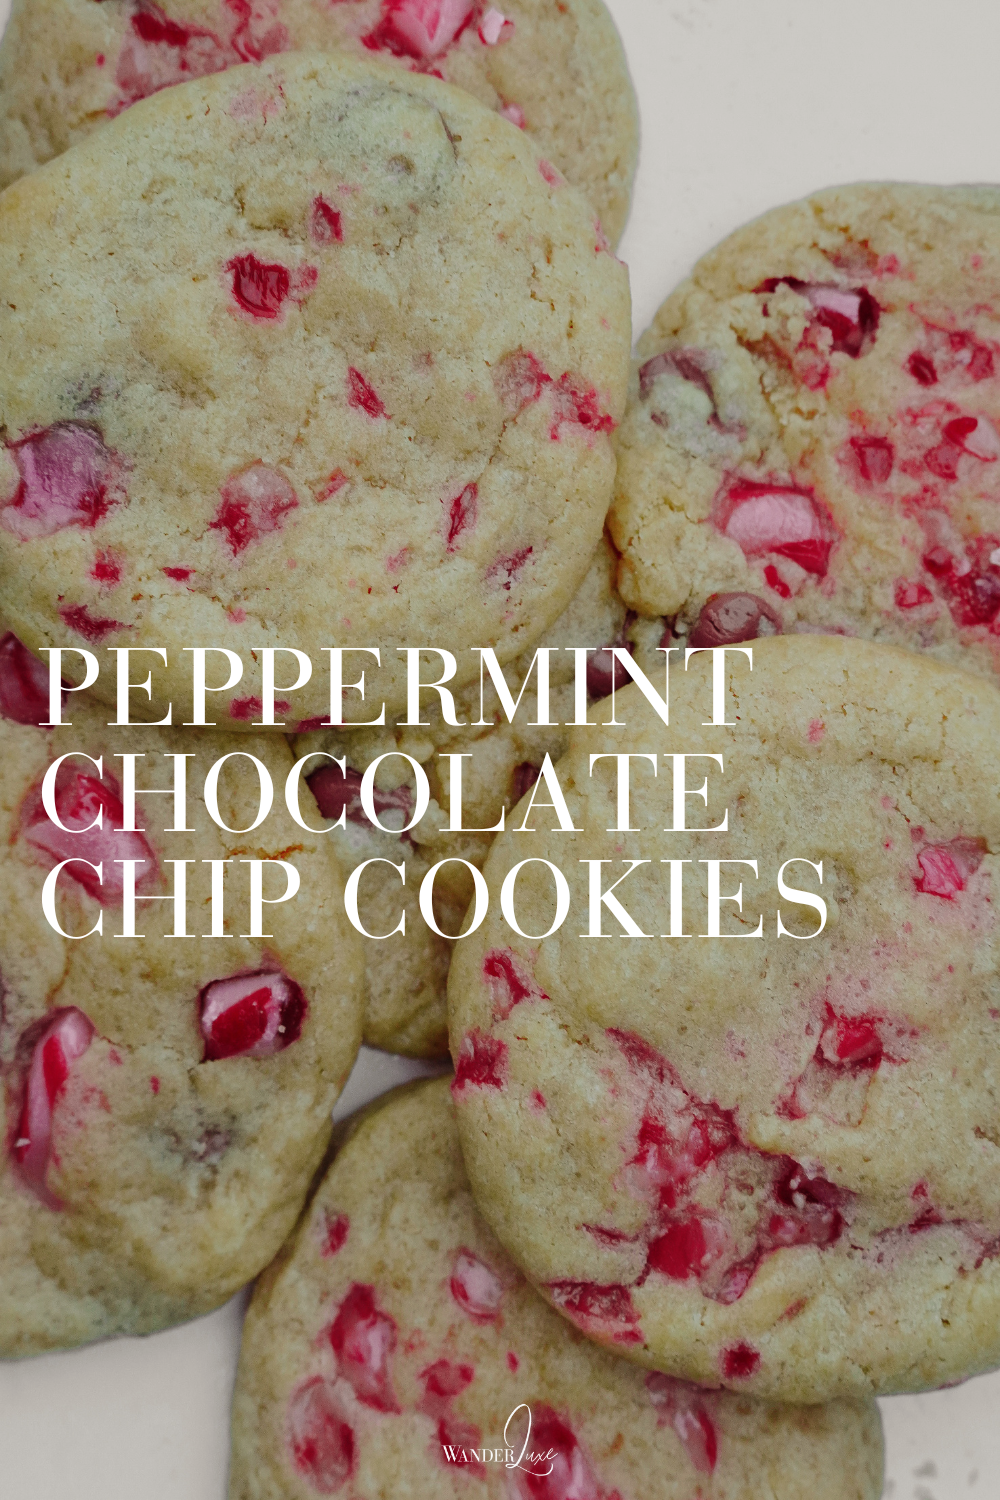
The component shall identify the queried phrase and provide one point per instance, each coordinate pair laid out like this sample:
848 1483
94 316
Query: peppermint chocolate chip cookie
313 353
394 1348
729 1139
166 1099
406 972
557 71
813 435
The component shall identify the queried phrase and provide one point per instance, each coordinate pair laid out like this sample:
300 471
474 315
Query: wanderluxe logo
539 1450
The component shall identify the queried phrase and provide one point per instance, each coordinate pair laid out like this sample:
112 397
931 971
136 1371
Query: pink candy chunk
67 478
515 114
476 1287
66 1037
509 981
90 809
570 1473
250 1015
739 1361
519 379
254 504
728 618
363 1339
321 1439
259 289
492 25
764 518
461 515
336 1228
577 406
443 1381
325 224
419 28
336 791
850 314
481 1063
24 683
681 1405
975 436
945 868
363 396
601 1311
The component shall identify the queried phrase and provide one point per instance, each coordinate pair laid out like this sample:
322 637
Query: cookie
165 1100
406 973
312 354
558 71
767 1160
393 1341
812 440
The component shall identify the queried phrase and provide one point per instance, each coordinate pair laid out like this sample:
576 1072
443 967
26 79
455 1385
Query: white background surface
745 104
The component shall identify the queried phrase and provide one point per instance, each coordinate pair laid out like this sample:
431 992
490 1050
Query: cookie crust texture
302 354
814 427
461 1340
156 1180
67 66
406 974
768 1162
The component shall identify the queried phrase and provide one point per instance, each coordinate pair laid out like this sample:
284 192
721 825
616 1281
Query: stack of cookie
316 347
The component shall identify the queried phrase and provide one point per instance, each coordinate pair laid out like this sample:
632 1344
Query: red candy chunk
524 776
457 1442
851 1041
606 672
481 1063
259 288
24 683
254 504
682 1142
325 223
909 593
691 365
461 515
570 1475
476 1287
509 981
161 52
739 1361
64 1037
726 619
363 396
250 1015
442 1382
971 584
575 406
336 791
851 314
91 627
763 518
519 380
67 478
681 1405
873 457
601 1311
506 569
419 28
975 436
256 36
363 1339
921 368
321 1439
90 809
336 1228
945 868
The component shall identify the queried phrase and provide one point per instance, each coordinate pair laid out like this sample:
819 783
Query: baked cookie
315 353
812 442
556 70
393 1337
406 973
753 1158
165 1100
